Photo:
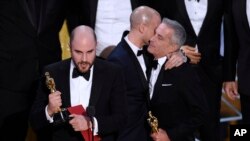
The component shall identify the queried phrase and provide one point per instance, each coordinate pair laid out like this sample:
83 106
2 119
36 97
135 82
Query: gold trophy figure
63 112
50 83
153 122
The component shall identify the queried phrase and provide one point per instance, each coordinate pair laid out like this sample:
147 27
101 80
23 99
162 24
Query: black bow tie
77 73
154 64
140 52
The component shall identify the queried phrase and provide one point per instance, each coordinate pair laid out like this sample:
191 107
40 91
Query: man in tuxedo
239 58
202 20
50 16
131 54
19 68
109 18
82 80
179 105
29 40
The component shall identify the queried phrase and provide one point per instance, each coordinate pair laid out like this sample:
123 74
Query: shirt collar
132 46
162 60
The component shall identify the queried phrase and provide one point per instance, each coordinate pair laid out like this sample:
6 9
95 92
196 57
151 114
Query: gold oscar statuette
62 114
51 85
153 122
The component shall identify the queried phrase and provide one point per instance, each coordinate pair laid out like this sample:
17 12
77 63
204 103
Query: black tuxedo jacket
28 41
208 40
18 50
241 52
18 56
23 42
179 103
210 67
89 9
51 15
107 96
136 91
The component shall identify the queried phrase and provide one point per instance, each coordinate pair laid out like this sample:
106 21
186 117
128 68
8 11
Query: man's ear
174 48
142 28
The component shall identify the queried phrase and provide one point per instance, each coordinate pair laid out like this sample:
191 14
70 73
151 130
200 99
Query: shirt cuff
95 126
50 119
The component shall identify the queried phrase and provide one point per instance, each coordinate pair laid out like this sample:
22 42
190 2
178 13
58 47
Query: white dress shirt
155 74
196 12
80 90
139 58
112 18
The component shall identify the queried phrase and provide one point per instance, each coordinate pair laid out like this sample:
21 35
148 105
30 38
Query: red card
87 134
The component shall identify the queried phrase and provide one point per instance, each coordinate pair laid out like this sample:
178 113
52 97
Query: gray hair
179 36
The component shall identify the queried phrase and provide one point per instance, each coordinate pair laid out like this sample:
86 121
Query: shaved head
142 15
83 47
83 32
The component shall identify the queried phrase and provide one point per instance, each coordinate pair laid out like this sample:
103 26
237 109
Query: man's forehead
164 30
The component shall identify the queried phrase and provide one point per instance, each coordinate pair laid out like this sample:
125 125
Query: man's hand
80 122
175 59
55 102
192 53
160 136
231 89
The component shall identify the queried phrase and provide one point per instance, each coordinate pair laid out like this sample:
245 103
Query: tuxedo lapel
26 25
27 10
136 64
243 11
158 84
41 15
183 12
208 15
97 83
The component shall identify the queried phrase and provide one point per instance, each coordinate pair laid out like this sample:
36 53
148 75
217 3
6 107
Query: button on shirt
154 75
139 58
196 13
80 88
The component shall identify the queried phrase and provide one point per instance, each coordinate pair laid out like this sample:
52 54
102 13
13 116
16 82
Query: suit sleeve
116 120
38 118
194 98
231 44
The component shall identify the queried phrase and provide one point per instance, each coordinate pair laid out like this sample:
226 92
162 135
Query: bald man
135 62
80 81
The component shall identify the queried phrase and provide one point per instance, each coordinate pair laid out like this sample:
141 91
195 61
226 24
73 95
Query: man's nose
84 57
